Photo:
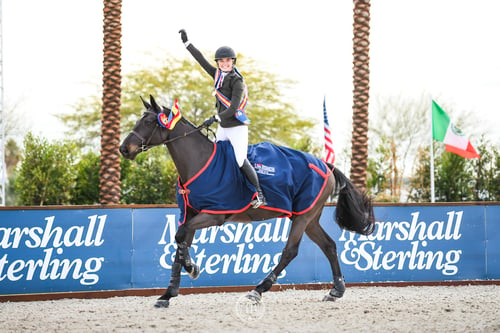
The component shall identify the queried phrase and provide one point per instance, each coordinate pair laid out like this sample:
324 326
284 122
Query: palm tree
361 80
109 174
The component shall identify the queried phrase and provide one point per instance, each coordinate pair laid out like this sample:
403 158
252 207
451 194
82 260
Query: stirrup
259 201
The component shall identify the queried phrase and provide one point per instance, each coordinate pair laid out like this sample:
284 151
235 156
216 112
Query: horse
190 149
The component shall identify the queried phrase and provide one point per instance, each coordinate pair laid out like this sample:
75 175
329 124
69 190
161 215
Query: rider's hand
184 36
211 120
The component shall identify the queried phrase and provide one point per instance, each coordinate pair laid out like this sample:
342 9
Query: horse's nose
123 150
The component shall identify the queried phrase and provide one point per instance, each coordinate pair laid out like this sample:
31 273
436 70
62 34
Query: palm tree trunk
109 174
361 80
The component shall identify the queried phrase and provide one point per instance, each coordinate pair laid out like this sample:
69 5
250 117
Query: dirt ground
362 309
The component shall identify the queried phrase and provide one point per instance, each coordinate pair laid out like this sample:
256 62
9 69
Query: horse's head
151 130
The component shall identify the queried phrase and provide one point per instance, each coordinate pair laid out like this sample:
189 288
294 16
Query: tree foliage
86 191
12 155
397 132
54 174
486 171
150 178
46 175
380 178
453 178
420 185
457 179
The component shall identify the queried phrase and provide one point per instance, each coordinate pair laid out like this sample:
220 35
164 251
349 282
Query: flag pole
432 159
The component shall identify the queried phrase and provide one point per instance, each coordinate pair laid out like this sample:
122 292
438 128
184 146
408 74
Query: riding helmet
224 52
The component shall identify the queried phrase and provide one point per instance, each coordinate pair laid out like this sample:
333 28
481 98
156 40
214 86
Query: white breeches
238 136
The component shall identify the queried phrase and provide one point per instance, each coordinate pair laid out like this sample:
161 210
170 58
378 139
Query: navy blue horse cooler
292 181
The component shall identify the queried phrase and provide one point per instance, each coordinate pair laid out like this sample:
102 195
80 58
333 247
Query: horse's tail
354 210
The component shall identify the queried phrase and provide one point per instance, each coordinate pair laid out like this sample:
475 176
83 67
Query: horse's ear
165 110
155 106
146 104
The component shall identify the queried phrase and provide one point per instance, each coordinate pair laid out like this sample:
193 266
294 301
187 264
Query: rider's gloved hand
211 120
184 37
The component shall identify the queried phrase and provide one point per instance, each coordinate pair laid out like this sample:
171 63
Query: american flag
329 153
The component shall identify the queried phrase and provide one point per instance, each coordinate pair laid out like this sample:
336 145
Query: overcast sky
52 51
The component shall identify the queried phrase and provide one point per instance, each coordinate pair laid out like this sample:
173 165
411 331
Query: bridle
145 143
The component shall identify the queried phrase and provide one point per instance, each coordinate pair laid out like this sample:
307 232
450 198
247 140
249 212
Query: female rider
231 98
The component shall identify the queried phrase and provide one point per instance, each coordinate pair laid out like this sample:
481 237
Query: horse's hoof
329 298
162 303
333 295
195 272
254 296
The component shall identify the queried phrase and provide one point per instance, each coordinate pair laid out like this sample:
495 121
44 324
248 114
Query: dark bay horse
190 150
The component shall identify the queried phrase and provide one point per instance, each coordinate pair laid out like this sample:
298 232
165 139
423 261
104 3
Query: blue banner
64 250
426 243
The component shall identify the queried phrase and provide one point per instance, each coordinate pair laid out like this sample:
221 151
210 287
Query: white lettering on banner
169 226
367 253
53 240
36 237
243 259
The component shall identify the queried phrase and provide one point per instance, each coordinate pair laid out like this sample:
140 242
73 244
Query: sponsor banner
426 243
65 250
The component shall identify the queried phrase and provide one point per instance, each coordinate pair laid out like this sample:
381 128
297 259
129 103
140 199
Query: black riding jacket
232 87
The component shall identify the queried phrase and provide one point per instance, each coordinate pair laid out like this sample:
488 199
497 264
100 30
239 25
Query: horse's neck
190 152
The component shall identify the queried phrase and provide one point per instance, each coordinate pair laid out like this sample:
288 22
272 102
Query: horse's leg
288 254
183 245
182 259
184 237
319 236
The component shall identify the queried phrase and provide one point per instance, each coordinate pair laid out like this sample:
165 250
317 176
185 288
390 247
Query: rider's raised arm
201 60
197 54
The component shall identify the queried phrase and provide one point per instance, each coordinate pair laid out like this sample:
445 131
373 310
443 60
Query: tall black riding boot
250 173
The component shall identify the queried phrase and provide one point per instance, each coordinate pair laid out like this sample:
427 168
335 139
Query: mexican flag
443 130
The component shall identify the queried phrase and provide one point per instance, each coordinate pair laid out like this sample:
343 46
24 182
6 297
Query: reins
145 143
197 129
